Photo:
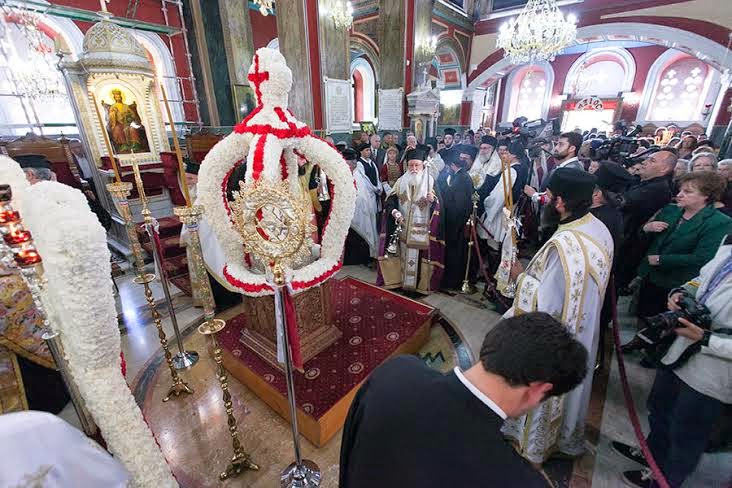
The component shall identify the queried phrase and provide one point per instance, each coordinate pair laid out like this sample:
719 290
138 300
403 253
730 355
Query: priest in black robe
448 154
458 206
413 427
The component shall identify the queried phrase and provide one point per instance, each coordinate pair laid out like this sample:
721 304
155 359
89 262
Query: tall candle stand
190 217
120 191
17 250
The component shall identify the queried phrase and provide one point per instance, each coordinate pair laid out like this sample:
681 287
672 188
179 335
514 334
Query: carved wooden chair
55 150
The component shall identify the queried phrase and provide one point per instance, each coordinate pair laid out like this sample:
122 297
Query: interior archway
364 90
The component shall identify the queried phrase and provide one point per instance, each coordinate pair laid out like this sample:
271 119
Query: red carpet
374 323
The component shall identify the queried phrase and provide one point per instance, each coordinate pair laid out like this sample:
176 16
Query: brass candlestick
190 216
120 191
468 288
240 461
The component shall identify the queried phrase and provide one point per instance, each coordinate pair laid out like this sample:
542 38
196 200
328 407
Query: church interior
153 110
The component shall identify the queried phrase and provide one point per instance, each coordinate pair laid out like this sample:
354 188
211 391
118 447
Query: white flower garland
270 133
79 297
11 174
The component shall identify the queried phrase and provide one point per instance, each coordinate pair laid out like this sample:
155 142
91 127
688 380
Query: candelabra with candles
190 216
17 250
468 288
120 191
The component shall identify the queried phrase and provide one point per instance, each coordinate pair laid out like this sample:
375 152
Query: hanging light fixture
427 47
35 76
266 7
342 14
538 34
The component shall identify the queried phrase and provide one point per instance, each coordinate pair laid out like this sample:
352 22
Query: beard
550 215
558 155
483 158
414 179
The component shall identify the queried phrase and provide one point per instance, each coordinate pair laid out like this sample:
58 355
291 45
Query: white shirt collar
479 394
570 160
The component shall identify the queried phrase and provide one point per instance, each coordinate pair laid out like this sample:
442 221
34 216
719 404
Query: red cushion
170 175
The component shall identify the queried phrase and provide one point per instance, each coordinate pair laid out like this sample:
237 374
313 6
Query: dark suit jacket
410 426
378 157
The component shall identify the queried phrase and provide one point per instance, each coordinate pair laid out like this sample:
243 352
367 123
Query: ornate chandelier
342 15
265 6
538 34
35 76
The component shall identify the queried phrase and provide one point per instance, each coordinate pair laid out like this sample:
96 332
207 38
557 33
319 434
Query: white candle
103 5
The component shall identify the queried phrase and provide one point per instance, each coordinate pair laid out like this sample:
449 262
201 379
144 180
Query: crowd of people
585 226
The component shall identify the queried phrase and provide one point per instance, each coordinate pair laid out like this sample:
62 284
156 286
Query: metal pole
301 473
183 359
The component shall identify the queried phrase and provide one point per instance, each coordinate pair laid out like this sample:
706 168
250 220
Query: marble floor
471 316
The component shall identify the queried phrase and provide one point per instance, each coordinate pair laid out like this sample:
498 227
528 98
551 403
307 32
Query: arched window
602 73
364 87
529 89
680 90
164 69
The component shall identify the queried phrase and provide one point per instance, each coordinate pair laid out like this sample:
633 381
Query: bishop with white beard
413 204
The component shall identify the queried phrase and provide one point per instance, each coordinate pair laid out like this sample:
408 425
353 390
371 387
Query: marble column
335 59
202 51
392 54
237 31
295 26
422 37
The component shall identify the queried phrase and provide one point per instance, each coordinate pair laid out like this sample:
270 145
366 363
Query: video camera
620 148
529 130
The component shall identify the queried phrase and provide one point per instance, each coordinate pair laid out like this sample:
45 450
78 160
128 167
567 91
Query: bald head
658 164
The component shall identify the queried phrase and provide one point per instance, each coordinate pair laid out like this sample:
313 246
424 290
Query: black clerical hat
33 161
516 148
349 154
420 152
362 146
468 149
572 184
192 167
431 141
449 131
613 177
489 140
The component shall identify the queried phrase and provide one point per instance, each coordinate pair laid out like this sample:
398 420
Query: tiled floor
472 318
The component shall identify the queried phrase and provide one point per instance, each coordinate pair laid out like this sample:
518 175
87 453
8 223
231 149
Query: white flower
265 132
11 174
80 305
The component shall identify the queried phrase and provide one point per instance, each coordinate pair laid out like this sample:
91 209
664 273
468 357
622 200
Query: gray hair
42 174
711 156
724 163
685 162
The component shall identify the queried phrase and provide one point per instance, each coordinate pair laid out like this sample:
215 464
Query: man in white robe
364 218
487 162
493 227
567 279
413 204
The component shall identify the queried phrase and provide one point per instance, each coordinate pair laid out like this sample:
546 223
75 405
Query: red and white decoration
268 140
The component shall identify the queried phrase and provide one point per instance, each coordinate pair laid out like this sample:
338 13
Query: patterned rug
193 433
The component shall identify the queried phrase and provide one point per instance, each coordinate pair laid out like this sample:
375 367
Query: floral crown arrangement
79 302
270 140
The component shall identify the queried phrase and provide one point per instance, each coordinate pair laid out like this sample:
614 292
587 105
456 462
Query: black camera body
657 333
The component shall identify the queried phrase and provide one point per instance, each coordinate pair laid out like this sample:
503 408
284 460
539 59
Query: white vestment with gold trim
566 279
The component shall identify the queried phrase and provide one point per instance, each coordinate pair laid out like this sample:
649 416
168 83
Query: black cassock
458 206
413 427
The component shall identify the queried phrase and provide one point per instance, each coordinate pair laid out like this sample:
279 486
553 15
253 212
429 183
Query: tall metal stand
183 359
119 192
468 288
303 473
190 216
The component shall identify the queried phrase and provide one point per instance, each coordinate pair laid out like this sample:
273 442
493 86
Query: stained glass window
679 92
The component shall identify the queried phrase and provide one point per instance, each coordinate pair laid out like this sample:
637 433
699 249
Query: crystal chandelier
342 15
427 47
266 7
35 76
538 34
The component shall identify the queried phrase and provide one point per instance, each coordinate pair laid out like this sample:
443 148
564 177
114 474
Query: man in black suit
457 206
377 154
370 169
412 427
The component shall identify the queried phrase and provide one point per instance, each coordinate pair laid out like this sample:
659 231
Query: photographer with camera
683 236
688 397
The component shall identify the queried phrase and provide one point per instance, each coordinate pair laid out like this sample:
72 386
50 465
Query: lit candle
8 217
17 236
27 257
